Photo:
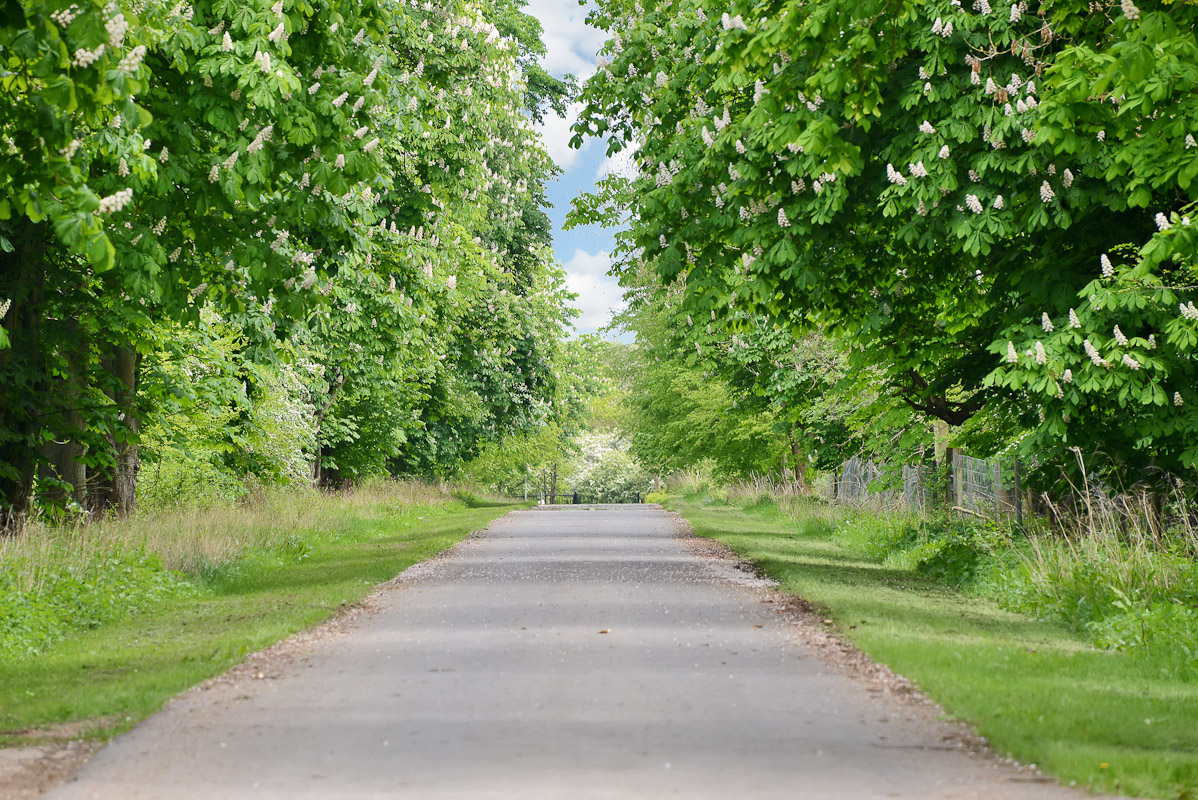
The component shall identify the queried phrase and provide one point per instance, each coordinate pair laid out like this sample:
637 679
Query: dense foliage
984 205
275 240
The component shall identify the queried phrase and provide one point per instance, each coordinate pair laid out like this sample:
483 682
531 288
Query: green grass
116 674
1111 722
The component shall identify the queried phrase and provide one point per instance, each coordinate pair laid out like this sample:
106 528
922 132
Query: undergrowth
59 580
1124 587
1121 594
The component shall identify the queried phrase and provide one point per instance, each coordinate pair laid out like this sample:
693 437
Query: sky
584 252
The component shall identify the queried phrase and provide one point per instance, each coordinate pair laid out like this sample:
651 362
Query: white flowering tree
451 328
304 170
927 182
65 71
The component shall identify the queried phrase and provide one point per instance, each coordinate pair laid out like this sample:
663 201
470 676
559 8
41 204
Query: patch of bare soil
813 630
46 757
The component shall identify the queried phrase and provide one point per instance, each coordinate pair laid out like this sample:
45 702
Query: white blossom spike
115 202
1094 355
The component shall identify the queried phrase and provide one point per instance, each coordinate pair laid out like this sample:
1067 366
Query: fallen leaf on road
606 630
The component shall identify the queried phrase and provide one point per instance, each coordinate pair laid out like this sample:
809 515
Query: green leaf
100 253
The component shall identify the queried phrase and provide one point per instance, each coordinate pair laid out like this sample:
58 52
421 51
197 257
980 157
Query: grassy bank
1118 722
123 616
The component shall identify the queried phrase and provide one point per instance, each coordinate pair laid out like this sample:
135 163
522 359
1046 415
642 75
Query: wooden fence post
950 484
1018 492
999 493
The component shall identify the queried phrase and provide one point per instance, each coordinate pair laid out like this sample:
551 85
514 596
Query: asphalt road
567 653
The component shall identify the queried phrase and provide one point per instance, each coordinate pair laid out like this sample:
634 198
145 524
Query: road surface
576 652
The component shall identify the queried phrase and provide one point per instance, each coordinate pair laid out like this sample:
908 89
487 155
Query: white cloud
572 44
594 265
555 133
599 295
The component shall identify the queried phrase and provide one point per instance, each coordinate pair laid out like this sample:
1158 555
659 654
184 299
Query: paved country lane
570 652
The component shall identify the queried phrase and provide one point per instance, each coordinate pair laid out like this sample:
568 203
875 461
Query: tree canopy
988 205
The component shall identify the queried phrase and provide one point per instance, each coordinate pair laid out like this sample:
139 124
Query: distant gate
577 498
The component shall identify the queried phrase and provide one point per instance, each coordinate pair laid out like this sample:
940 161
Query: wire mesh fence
978 486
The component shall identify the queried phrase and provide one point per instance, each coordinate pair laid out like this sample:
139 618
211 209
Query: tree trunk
63 457
117 487
23 373
800 468
317 464
318 476
128 457
553 499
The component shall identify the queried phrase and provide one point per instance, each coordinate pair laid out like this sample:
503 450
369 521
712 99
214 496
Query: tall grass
1114 567
195 540
59 579
1111 566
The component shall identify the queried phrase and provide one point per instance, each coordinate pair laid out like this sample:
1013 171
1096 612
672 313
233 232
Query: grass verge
280 579
1108 721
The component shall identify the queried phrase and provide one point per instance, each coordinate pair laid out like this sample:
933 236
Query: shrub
607 472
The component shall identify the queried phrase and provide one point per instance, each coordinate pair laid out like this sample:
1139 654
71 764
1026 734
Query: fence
983 487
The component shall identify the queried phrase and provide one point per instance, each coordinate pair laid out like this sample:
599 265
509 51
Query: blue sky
584 252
